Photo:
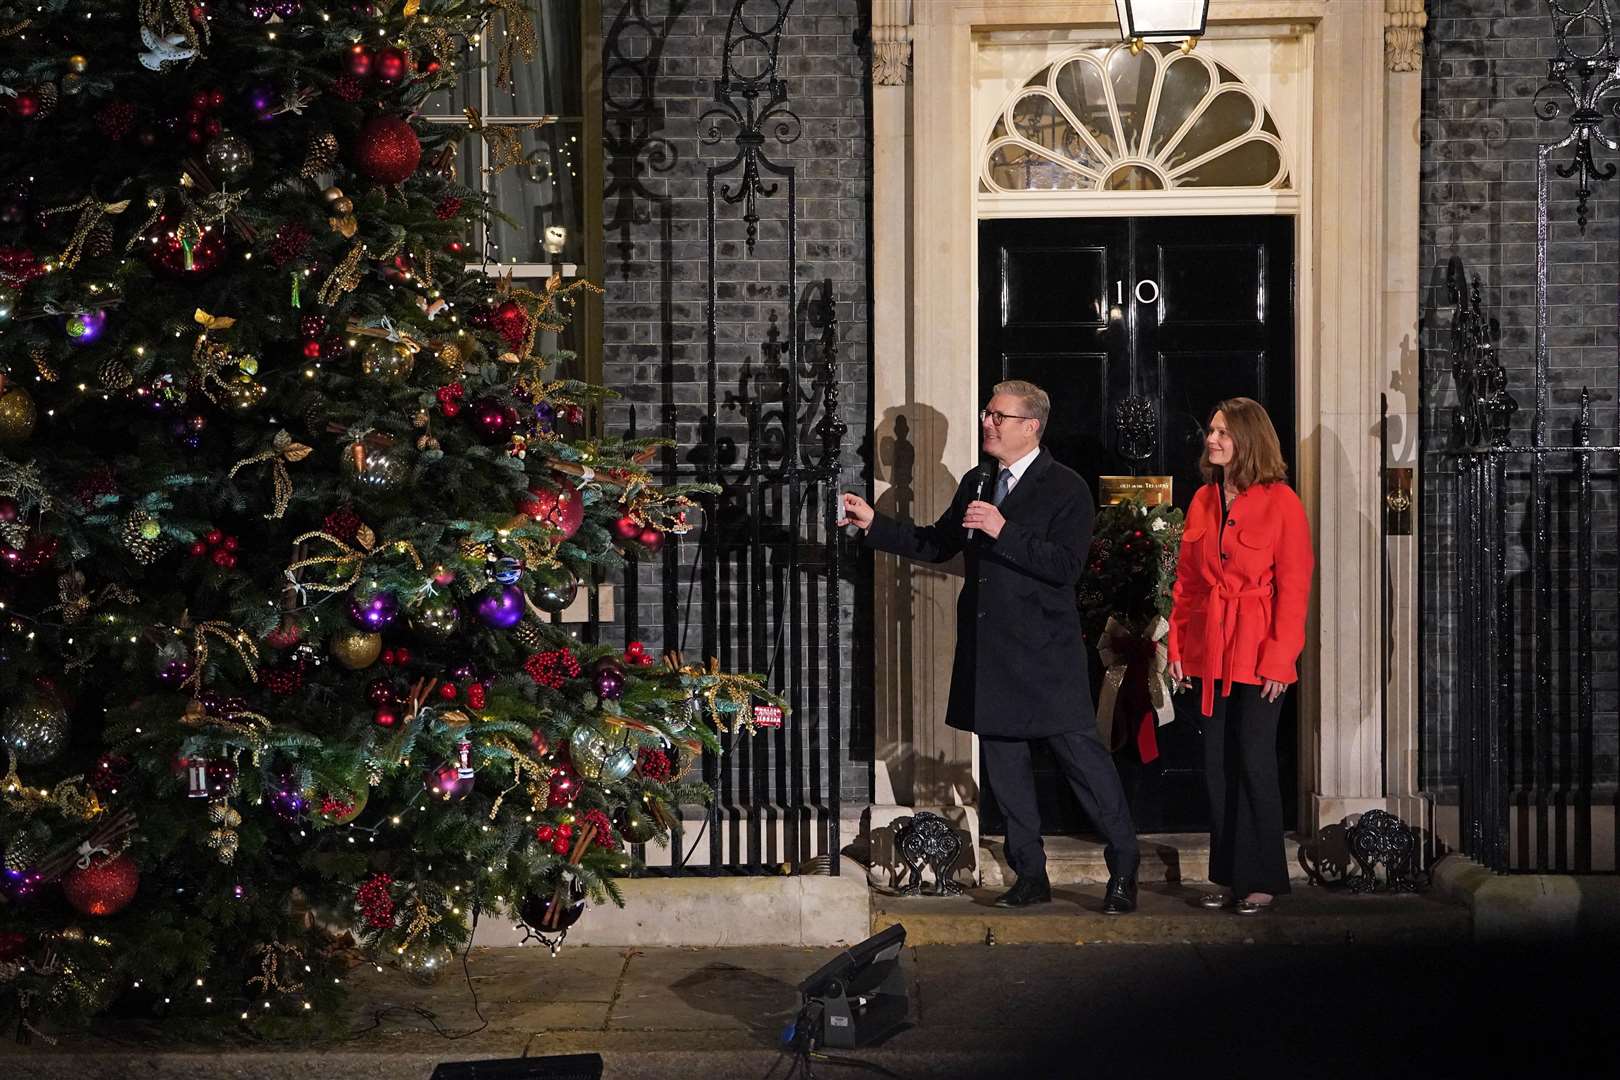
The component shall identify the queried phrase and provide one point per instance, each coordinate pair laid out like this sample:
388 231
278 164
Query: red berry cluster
450 398
218 547
115 119
654 765
636 655
284 681
375 903
290 242
552 668
348 88
342 523
448 207
334 807
604 837
560 837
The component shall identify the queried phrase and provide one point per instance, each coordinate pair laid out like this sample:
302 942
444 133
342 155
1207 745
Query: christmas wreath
1125 599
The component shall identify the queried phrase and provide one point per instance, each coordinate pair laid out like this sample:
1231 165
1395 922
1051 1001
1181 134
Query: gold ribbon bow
505 140
1114 649
238 639
212 322
270 977
283 452
739 690
91 211
344 276
421 921
76 603
71 797
386 333
348 560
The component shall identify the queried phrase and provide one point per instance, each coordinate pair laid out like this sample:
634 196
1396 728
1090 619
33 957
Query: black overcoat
1020 669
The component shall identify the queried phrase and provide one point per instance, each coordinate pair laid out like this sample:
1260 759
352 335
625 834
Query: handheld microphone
978 495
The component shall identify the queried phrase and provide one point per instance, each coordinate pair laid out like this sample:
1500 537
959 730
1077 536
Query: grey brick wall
1486 61
661 60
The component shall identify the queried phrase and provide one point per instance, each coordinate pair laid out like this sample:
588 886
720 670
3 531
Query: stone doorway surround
1356 175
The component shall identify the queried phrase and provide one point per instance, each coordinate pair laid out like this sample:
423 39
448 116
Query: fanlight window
1105 119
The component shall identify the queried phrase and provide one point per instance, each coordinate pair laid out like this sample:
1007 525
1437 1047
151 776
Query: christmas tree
289 500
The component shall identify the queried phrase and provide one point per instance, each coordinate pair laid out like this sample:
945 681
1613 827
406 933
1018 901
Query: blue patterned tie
1003 482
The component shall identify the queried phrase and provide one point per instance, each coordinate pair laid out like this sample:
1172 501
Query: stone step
1168 914
1077 860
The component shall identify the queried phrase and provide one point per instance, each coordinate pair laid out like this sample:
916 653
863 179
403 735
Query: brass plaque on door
1148 490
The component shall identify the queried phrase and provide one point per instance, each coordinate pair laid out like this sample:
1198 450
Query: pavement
1232 1002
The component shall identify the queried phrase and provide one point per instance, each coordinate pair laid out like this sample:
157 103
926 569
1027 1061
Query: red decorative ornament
544 833
448 207
348 88
25 105
386 715
604 836
388 150
187 255
18 267
560 845
552 668
104 887
342 523
562 510
564 785
475 696
449 691
391 65
290 242
651 539
285 636
539 743
284 681
628 528
511 322
108 773
374 902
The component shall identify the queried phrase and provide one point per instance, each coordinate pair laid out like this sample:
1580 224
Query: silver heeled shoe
1249 907
1214 901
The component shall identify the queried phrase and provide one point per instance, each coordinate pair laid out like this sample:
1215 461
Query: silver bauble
228 157
589 751
426 964
555 591
372 465
618 765
35 730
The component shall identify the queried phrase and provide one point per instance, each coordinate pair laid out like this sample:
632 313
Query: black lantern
1162 20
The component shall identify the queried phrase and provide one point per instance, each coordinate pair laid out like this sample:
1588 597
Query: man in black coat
1023 526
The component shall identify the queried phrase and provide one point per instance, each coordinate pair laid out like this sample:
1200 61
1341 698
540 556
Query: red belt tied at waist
1220 629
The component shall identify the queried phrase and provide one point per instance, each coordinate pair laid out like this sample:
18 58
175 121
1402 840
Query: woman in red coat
1238 627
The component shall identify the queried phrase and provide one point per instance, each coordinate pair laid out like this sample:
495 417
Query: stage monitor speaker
552 1067
862 992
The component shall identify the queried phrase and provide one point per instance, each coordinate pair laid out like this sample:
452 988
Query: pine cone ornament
114 376
527 634
143 536
23 854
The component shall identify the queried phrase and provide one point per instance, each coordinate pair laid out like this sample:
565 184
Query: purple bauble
545 417
464 672
501 608
173 674
259 10
289 9
493 419
376 612
610 684
289 803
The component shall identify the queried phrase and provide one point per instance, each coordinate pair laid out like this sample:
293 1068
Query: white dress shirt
1017 468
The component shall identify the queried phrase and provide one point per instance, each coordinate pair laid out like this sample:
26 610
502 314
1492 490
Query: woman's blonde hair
1256 452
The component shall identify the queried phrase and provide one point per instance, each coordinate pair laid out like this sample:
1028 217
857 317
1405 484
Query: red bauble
358 62
381 692
562 510
388 150
392 65
475 696
105 887
652 539
173 257
628 528
493 419
26 104
386 716
448 691
511 322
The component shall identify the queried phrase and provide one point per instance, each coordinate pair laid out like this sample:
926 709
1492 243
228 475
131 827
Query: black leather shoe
1120 899
1026 891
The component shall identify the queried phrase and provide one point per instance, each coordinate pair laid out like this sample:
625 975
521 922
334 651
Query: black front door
1137 327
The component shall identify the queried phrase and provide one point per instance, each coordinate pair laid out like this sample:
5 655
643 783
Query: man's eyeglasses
997 417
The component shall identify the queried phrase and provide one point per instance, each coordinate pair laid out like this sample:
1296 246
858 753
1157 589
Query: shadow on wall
907 597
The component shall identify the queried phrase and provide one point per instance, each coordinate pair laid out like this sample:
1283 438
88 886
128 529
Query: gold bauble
17 414
356 649
447 361
243 394
78 63
387 361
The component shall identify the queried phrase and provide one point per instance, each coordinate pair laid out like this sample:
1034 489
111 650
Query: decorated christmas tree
290 498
